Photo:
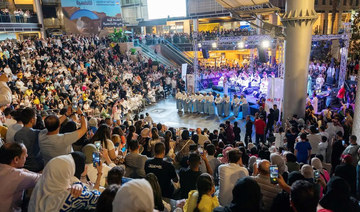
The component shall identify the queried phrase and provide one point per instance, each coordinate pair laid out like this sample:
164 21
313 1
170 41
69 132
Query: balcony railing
18 19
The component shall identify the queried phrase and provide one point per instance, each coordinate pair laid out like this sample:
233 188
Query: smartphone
274 174
123 149
316 176
96 158
200 150
97 144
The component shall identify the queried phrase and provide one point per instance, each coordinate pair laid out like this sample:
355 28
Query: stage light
214 45
241 45
199 45
265 44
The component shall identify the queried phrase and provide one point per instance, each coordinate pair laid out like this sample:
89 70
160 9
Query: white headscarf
51 190
134 196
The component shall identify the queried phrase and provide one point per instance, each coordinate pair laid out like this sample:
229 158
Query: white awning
228 4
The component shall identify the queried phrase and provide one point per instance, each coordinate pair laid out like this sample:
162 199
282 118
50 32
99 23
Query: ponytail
204 184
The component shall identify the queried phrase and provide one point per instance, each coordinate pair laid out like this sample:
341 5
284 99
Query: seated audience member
303 197
246 197
281 202
52 193
182 148
188 176
228 174
12 129
14 180
103 134
88 150
202 199
317 165
164 171
53 144
30 138
268 190
104 203
338 197
348 172
160 204
115 176
213 161
134 196
291 162
134 161
8 116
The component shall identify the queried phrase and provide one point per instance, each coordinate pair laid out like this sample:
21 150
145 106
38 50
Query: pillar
298 20
195 45
259 23
339 22
40 17
326 23
356 121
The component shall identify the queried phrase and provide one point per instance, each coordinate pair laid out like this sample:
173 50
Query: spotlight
265 44
214 45
199 45
241 45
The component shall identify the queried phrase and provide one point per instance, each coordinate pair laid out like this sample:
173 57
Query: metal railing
18 19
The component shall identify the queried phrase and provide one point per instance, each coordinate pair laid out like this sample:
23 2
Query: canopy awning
230 4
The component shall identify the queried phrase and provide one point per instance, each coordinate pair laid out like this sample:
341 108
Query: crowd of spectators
73 133
18 16
184 38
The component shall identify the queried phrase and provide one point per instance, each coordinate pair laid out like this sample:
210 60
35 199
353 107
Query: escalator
172 52
149 53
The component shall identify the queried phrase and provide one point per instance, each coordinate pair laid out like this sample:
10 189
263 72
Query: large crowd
74 135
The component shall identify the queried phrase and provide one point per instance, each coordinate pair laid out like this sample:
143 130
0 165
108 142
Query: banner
184 71
190 83
275 94
91 16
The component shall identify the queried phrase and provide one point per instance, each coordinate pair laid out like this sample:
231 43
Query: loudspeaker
205 53
263 58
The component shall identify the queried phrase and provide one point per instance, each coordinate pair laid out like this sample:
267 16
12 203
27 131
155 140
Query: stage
166 113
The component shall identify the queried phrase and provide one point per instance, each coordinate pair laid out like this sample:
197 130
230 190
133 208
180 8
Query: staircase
172 52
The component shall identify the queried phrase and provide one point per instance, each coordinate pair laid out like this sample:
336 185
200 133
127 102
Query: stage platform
165 112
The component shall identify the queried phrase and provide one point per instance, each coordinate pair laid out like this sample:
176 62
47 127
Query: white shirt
279 139
229 174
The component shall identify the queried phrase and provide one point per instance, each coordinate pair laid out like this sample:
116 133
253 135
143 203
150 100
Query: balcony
12 23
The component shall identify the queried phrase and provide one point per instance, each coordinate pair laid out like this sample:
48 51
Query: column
356 121
298 20
259 23
326 23
40 17
339 21
195 45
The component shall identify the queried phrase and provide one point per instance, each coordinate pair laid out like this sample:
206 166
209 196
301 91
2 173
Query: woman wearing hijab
246 197
52 193
316 164
338 197
279 161
134 196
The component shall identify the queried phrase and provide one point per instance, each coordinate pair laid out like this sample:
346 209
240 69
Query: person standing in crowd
353 150
337 150
249 130
314 139
232 170
226 105
244 106
236 106
260 130
15 180
211 106
303 149
237 131
178 98
219 105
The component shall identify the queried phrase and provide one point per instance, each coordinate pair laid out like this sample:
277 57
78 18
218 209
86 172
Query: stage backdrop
91 16
275 93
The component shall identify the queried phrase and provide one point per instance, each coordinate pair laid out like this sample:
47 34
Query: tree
355 37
